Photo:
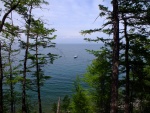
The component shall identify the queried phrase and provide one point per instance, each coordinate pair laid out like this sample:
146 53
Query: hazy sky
69 17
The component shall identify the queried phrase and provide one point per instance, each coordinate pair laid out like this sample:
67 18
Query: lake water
64 71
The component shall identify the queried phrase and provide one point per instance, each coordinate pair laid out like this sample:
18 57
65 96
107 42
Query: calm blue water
64 70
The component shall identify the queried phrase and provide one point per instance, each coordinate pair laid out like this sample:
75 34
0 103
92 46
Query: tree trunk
58 105
6 14
131 93
11 84
127 96
1 68
24 107
115 72
1 81
38 78
11 72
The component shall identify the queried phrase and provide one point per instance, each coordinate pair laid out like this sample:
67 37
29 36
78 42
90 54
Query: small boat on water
75 56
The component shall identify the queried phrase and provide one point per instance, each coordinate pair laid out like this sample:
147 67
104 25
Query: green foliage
11 71
54 108
80 102
134 16
98 80
41 38
37 33
65 105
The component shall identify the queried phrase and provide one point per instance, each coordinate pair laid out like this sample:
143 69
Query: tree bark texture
127 96
1 81
58 105
115 65
24 107
11 84
38 78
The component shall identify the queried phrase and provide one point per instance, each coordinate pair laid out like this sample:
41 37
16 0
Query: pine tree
98 80
115 64
26 12
42 39
79 100
133 15
10 6
9 69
